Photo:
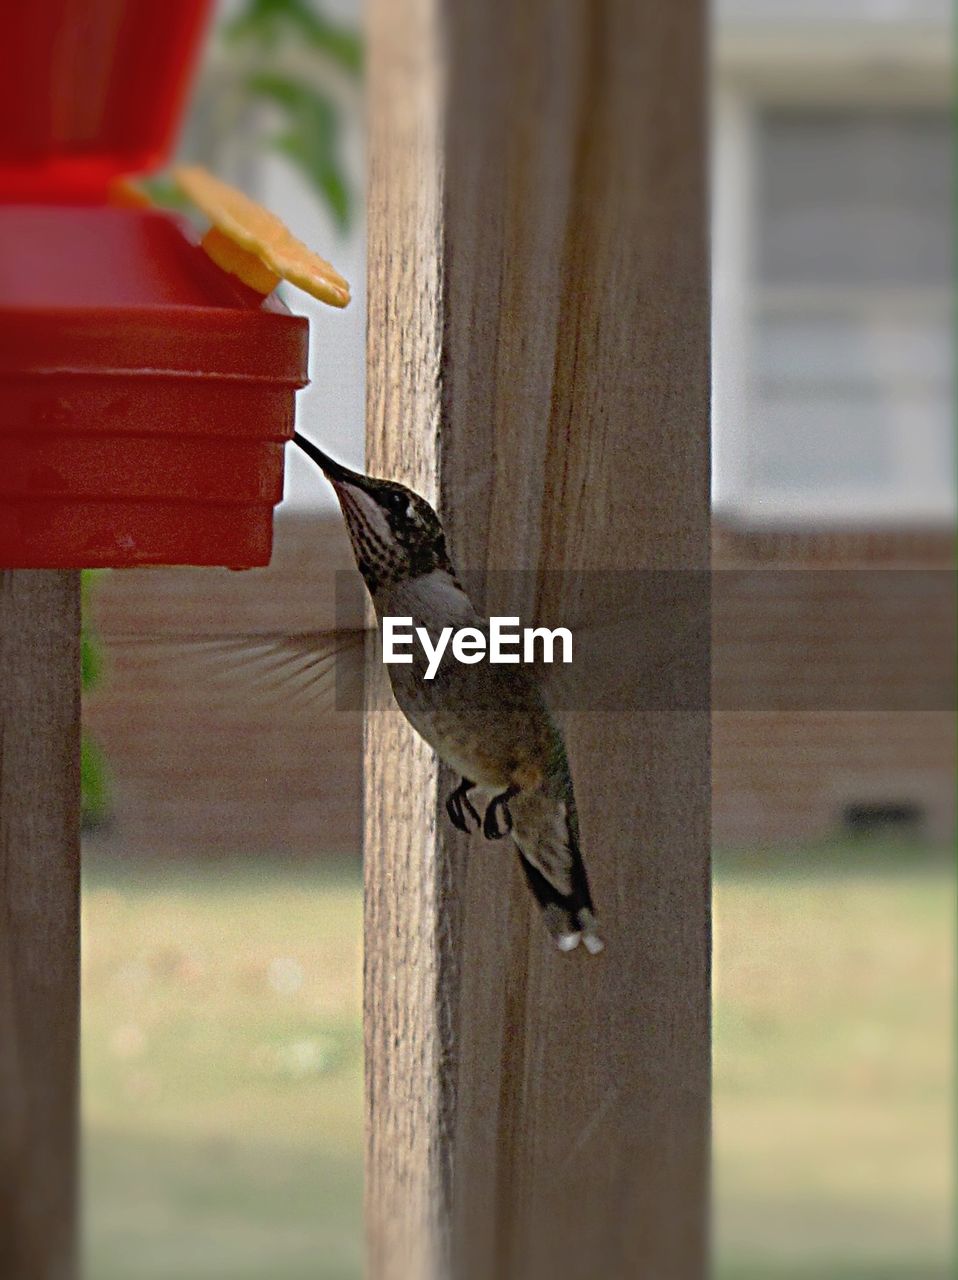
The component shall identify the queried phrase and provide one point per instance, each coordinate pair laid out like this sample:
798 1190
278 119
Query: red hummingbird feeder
146 394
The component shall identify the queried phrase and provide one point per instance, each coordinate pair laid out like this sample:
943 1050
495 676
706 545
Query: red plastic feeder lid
146 394
91 90
100 290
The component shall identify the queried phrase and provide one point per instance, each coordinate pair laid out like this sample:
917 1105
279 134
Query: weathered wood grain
39 929
538 362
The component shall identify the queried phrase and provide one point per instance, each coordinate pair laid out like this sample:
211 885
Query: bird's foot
460 808
490 824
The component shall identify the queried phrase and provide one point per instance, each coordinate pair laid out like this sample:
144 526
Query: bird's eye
397 502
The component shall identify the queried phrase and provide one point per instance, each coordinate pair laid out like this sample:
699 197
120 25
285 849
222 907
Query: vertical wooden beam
538 364
39 928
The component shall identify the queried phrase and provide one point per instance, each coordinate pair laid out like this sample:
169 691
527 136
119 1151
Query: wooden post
538 365
39 930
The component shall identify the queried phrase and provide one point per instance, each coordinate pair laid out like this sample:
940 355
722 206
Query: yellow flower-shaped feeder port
253 244
247 240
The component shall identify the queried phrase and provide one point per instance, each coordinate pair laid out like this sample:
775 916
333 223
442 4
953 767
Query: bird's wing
305 671
540 827
637 659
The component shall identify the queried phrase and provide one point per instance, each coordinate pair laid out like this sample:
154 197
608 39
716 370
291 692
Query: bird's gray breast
432 602
474 715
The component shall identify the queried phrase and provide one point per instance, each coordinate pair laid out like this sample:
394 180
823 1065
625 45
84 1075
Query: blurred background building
833 439
833 262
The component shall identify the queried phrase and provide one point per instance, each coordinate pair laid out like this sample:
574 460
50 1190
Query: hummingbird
490 723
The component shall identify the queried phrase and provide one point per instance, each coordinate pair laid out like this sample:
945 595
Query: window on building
848 375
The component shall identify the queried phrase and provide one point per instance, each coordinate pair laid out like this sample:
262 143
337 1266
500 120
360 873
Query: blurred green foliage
94 784
309 135
270 22
310 129
289 57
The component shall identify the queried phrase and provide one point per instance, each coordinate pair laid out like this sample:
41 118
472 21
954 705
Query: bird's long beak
365 519
334 471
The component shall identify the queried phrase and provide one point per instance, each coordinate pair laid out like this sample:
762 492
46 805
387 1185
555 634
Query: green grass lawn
222 1072
222 1069
833 1065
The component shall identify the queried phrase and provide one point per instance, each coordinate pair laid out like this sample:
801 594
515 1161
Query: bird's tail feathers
569 918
